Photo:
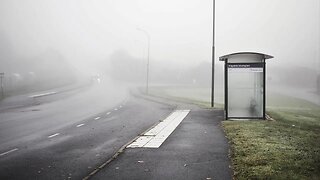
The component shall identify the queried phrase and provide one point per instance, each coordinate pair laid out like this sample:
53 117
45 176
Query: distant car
96 78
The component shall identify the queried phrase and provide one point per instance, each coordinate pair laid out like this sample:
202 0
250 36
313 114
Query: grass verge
287 148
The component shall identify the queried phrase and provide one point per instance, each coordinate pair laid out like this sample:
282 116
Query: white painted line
108 113
43 94
120 106
97 118
158 134
155 130
80 125
140 142
53 135
115 109
165 133
12 150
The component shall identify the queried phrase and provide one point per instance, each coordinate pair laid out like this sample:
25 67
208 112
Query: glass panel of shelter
245 93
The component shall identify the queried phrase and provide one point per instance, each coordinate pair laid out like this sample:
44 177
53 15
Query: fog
62 42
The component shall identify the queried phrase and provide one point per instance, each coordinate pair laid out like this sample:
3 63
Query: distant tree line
47 70
126 68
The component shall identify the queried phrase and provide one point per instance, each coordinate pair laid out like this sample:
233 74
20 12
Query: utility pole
319 39
318 53
147 81
213 55
1 77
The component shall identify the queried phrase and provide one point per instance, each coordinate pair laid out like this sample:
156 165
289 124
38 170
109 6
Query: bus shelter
245 85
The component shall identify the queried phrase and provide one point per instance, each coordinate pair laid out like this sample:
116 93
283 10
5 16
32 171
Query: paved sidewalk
197 149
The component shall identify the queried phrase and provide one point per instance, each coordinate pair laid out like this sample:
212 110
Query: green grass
286 148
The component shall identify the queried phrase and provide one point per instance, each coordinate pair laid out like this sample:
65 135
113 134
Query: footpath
196 149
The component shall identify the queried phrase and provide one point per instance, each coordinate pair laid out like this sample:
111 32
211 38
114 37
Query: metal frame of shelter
262 64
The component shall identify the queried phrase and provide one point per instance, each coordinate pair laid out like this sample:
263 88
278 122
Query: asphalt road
197 149
67 137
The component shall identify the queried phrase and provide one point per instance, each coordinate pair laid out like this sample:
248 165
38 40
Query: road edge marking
54 135
79 125
8 152
43 94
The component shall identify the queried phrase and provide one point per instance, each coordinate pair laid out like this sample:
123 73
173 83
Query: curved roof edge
223 58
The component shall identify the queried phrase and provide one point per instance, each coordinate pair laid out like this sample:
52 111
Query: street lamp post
213 55
148 37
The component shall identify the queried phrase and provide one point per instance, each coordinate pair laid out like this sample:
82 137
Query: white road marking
140 142
120 106
43 94
53 135
12 150
97 118
80 125
115 109
108 113
158 134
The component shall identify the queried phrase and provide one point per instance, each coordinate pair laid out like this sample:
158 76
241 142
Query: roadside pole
148 60
213 52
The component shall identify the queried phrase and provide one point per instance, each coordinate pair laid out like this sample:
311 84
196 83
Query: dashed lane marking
54 135
97 118
115 109
108 113
80 125
8 152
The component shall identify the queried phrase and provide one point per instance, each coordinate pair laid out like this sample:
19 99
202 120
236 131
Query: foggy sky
87 31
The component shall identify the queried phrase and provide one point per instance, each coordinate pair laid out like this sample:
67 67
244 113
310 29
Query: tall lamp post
318 54
213 55
148 37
